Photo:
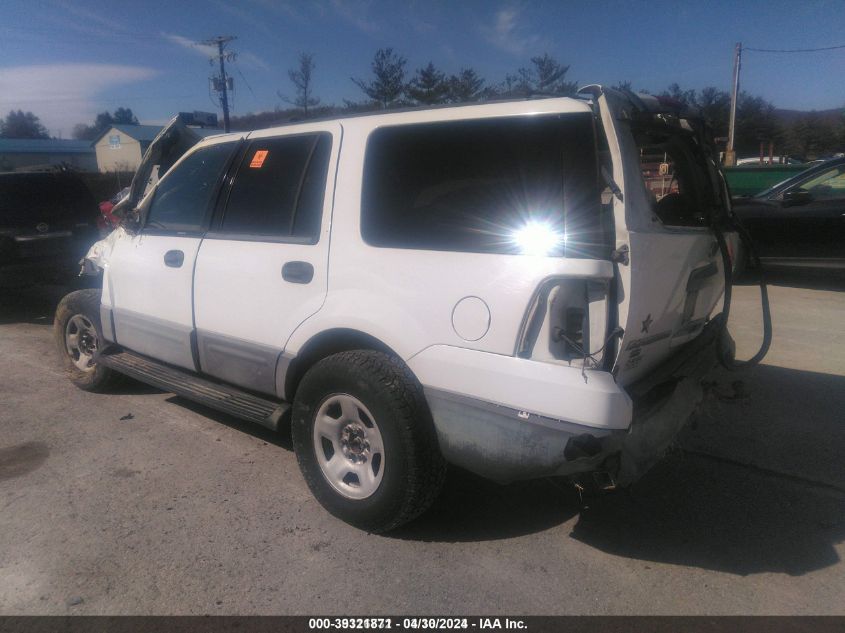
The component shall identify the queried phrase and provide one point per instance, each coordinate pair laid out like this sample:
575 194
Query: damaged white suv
523 289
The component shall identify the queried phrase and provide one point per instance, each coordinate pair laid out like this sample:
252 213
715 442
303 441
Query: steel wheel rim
348 446
81 342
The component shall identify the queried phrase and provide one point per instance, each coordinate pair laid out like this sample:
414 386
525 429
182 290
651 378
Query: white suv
491 286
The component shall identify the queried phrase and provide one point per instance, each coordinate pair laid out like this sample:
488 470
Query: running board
187 384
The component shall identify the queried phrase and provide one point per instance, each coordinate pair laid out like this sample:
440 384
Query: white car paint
248 274
407 299
152 303
544 389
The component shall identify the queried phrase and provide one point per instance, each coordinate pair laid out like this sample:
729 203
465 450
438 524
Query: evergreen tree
428 86
388 83
20 124
466 86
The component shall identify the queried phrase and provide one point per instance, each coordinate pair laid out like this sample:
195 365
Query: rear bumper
506 444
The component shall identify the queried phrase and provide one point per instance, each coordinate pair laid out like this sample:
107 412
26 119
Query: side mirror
130 215
797 197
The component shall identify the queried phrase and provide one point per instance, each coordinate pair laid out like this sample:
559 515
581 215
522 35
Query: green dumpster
749 180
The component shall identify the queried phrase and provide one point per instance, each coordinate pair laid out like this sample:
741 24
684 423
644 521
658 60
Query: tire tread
87 302
427 469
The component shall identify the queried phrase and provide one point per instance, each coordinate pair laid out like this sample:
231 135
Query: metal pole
730 154
225 97
221 42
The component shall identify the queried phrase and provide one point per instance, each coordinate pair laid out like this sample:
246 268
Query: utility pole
222 83
730 153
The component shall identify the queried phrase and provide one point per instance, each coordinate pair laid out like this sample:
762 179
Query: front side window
828 185
183 198
279 187
524 184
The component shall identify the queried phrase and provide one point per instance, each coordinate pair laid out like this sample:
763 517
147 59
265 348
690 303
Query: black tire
413 468
84 304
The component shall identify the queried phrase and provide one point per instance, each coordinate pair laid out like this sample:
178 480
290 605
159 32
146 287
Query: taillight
567 322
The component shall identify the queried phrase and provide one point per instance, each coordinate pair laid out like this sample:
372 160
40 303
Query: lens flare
537 238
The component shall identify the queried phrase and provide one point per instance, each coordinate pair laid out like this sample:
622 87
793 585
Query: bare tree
388 84
301 79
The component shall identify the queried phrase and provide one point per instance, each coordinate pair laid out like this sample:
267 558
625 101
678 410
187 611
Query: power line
792 50
237 67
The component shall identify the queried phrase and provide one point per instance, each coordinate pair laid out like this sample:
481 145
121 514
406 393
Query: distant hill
833 116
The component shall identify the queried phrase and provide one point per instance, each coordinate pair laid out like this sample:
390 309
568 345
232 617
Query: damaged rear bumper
505 444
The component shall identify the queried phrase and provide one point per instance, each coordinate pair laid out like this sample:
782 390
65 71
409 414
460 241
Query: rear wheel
79 336
365 441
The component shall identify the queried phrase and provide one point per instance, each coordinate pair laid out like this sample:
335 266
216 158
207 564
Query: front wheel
78 337
365 441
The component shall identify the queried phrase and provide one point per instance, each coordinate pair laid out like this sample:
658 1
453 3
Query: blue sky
66 60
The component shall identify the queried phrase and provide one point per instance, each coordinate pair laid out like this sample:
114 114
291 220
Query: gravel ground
141 502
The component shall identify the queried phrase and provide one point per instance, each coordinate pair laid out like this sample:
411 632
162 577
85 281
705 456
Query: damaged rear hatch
667 194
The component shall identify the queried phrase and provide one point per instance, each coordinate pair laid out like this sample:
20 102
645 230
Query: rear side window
504 185
182 199
279 187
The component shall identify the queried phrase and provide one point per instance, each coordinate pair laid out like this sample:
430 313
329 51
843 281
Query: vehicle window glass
829 185
676 182
278 188
182 198
310 209
506 185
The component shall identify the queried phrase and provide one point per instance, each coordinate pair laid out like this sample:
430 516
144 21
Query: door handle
174 259
298 272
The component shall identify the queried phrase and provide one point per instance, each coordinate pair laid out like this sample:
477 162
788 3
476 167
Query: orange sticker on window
258 158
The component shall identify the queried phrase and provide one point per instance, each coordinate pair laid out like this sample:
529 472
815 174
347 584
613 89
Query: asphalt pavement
140 502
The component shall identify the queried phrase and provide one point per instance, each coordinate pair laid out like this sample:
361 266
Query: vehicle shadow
468 509
794 277
474 509
281 438
758 487
697 512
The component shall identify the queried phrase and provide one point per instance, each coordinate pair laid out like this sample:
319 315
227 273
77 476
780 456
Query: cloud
508 34
356 14
243 15
285 9
251 59
206 50
62 95
94 17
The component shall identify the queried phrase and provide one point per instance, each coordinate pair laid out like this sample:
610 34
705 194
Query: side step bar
187 384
